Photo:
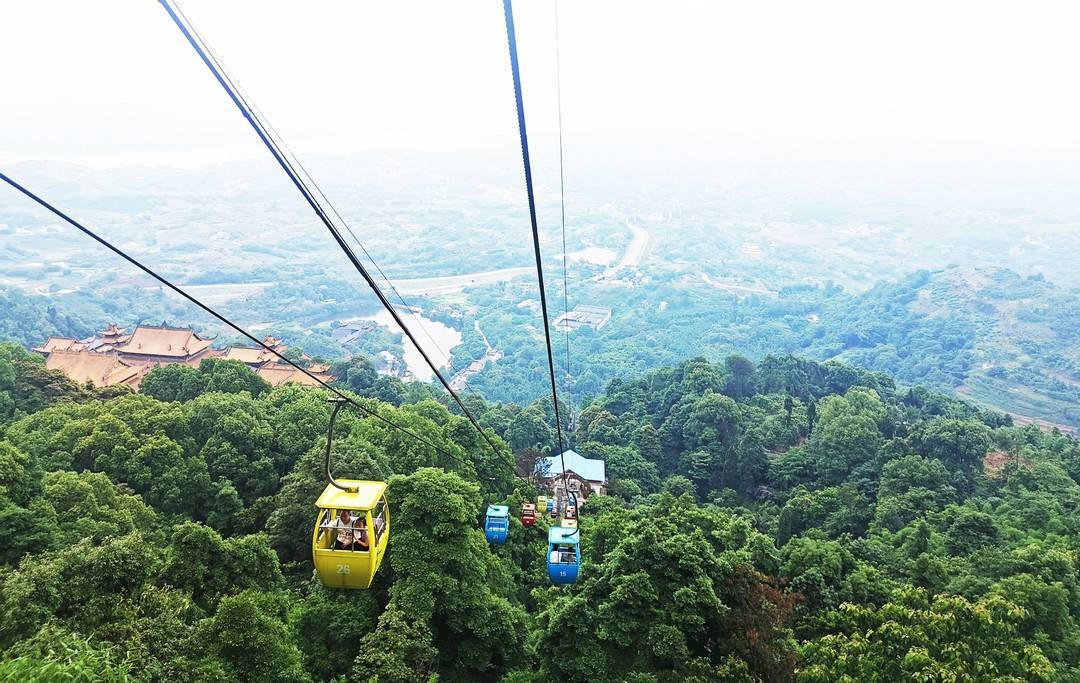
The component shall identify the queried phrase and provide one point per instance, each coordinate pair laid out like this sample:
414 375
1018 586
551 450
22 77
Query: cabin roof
562 536
365 497
498 511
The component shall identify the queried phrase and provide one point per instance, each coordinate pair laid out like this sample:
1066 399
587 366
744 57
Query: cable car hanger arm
338 403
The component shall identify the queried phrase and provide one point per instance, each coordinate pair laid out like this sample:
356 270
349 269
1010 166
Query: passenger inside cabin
360 537
351 531
562 554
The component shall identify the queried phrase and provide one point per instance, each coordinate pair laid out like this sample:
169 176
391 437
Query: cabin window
325 533
378 519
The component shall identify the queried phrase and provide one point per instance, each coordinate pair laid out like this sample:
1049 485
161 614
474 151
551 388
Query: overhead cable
316 206
515 68
562 215
146 269
268 126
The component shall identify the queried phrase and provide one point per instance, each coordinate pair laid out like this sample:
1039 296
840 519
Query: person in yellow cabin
351 531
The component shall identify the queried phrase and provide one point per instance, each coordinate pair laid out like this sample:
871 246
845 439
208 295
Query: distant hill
30 319
990 335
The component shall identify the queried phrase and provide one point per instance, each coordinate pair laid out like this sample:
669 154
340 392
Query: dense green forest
784 520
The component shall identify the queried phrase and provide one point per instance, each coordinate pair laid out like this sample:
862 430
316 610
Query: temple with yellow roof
114 357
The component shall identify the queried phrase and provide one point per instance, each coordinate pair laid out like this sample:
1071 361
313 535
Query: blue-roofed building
586 476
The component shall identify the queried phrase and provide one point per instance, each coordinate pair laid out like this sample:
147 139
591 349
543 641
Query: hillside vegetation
989 335
1004 341
1007 341
784 520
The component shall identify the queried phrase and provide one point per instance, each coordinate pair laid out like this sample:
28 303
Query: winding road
631 258
456 283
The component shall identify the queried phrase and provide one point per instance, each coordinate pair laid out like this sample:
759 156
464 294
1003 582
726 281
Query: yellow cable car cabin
351 533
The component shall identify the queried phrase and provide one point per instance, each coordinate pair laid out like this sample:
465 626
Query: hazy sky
113 82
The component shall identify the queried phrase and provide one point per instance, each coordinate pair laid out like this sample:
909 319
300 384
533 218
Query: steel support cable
146 269
273 140
306 192
562 214
278 139
514 67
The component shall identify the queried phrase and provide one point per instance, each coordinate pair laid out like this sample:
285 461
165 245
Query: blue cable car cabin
564 554
497 523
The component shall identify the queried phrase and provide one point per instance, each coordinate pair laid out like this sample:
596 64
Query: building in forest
583 316
60 344
115 357
584 476
162 345
268 366
283 373
100 369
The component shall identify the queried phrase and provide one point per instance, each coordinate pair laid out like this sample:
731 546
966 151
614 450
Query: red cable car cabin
528 514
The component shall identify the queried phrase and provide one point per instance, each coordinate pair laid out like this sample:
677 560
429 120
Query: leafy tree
842 443
178 382
55 655
816 567
916 638
713 421
89 585
87 505
970 530
740 379
18 480
231 377
678 485
657 600
328 627
834 510
1048 621
448 587
173 382
909 488
529 429
22 531
358 373
249 636
210 567
526 462
959 444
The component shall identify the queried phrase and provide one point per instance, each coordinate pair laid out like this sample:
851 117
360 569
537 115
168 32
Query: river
438 340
